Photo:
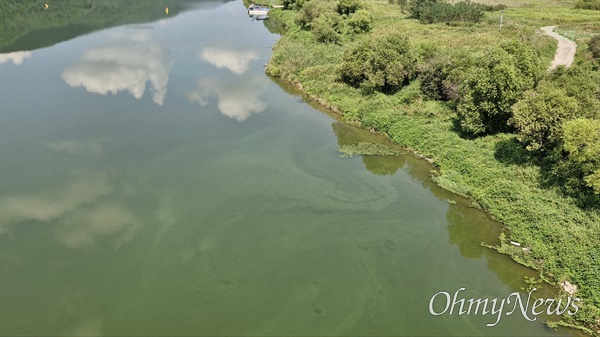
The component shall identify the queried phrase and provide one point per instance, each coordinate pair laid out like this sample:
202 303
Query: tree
581 140
491 89
538 117
526 59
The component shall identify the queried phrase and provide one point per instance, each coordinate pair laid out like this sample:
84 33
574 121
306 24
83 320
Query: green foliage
428 11
360 21
588 4
294 4
526 59
323 30
583 84
327 25
440 77
311 11
497 81
594 46
384 63
348 6
495 8
582 143
494 85
416 7
538 117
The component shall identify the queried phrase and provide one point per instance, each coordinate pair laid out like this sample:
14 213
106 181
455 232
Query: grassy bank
558 237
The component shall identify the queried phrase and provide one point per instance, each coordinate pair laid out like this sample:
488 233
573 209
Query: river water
154 181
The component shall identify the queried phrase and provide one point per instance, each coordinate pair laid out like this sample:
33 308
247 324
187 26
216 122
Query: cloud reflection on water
80 211
237 61
236 100
84 227
124 64
49 206
16 57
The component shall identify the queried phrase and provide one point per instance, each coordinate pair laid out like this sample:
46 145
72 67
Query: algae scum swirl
156 182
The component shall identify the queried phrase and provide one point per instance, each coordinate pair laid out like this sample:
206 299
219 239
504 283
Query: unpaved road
565 53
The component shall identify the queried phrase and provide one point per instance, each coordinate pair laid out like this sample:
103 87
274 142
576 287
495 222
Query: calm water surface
155 182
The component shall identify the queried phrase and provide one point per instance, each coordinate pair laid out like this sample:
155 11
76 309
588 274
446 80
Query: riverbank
556 236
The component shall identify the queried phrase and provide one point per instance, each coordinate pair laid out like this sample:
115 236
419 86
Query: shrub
348 6
311 11
323 30
360 21
581 141
583 84
435 79
416 7
428 11
538 117
588 4
293 4
495 8
594 46
384 63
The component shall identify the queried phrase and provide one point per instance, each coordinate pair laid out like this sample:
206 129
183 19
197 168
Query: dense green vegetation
329 21
431 11
385 63
594 46
27 25
495 82
521 142
588 4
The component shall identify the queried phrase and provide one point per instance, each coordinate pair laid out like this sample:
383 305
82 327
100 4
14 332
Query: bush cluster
559 122
385 64
434 11
507 90
588 4
329 21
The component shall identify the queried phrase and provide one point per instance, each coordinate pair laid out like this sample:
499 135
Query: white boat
258 10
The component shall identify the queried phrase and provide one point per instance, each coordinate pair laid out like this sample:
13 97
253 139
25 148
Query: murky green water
155 182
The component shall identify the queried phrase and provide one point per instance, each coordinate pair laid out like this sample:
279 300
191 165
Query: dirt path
565 53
